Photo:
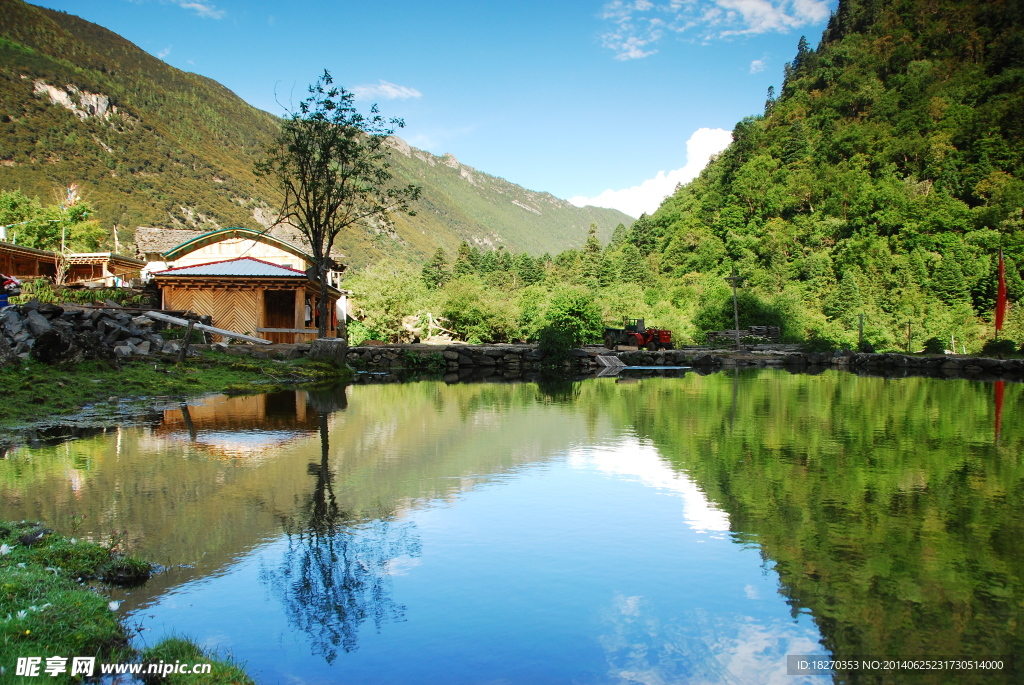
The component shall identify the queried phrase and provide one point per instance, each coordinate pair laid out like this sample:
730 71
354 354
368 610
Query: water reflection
245 427
334 573
578 532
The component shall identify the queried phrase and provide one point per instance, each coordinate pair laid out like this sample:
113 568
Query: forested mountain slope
152 145
882 180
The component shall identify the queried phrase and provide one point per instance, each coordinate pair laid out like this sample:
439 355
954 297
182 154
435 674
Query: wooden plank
309 331
156 316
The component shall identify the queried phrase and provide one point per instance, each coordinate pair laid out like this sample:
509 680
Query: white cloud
757 66
646 197
639 24
163 53
203 9
385 90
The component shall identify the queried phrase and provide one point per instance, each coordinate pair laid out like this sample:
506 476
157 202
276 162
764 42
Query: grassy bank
35 391
51 605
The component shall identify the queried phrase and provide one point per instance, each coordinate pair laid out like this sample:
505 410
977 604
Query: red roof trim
228 261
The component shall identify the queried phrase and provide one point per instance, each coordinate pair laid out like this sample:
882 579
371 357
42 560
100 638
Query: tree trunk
322 304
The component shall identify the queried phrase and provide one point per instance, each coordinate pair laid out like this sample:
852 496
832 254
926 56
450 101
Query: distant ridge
155 146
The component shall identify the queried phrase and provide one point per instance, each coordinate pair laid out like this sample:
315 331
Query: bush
999 347
359 332
934 346
576 316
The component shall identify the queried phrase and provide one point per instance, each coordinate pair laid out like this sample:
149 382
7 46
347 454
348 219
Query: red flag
1001 294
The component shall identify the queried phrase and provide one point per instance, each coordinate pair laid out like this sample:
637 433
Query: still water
666 530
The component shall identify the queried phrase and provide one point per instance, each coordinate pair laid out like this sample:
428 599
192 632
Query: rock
171 347
329 349
7 354
55 346
50 310
123 351
142 347
37 323
450 355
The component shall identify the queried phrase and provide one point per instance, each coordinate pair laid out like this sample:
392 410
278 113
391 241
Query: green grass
46 609
35 391
175 649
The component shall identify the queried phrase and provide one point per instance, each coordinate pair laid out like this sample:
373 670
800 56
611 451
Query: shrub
999 347
576 316
358 332
934 346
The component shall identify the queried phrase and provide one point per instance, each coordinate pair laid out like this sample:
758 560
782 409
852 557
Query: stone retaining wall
511 360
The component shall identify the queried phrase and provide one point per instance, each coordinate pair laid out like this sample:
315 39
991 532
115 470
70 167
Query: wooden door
279 312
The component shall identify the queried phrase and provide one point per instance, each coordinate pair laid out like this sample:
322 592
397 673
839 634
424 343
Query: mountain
155 146
881 181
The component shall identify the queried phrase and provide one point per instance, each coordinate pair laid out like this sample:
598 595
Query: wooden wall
233 310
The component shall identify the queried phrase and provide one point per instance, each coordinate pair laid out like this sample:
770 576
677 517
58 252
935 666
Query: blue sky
583 99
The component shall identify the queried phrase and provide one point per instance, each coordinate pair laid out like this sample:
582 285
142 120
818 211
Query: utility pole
735 279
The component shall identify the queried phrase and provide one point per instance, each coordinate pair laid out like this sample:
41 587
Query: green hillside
155 146
882 180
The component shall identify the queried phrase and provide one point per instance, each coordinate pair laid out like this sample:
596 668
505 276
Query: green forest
881 180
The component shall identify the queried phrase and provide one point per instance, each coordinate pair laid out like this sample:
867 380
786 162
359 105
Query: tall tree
435 272
330 164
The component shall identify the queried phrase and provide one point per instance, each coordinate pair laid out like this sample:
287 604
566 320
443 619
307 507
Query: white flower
113 605
73 541
22 614
5 549
50 568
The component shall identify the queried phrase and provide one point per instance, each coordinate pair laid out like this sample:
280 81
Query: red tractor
633 332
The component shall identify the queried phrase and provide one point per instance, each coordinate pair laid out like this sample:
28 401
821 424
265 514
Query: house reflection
243 427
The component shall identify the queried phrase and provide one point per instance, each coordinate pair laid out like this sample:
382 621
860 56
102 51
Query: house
26 262
172 248
249 295
104 268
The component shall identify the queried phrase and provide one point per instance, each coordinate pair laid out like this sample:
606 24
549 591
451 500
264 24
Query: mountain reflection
334 575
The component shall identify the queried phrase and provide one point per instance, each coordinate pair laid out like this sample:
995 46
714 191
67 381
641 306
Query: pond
659 530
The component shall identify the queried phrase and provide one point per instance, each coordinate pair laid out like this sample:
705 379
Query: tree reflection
334 575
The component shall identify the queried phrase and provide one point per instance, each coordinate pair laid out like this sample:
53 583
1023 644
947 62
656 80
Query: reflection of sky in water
633 460
575 570
240 443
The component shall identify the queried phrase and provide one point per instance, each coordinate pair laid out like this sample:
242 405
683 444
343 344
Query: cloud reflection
699 648
642 462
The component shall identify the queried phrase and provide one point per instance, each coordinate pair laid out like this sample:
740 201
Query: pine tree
463 262
948 281
435 272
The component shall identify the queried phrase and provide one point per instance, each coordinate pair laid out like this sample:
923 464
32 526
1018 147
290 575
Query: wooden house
26 262
101 268
172 248
249 295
